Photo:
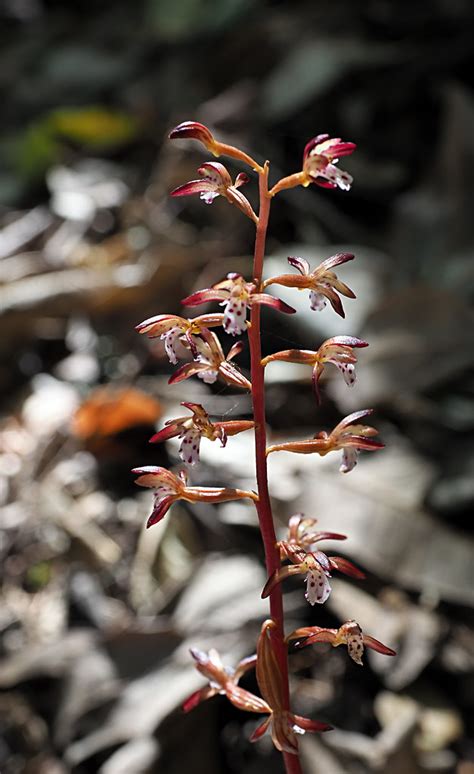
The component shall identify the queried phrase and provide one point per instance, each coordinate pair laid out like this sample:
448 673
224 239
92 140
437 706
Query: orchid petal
235 315
316 726
349 459
317 301
189 448
371 642
198 696
279 575
261 730
170 430
160 508
171 339
202 296
345 566
300 263
318 587
187 370
194 187
277 303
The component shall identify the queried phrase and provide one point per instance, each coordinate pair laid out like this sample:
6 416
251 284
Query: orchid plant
242 300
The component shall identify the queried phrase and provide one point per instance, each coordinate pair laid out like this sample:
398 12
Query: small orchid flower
169 488
320 157
224 680
347 435
322 282
196 131
349 634
284 725
192 429
210 362
316 565
236 296
337 351
216 181
172 329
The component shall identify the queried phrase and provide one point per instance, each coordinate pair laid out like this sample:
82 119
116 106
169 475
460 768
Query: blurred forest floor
98 614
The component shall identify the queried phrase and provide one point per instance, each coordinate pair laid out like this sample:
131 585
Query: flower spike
284 724
192 429
216 181
349 634
348 435
322 282
337 351
169 488
320 157
236 296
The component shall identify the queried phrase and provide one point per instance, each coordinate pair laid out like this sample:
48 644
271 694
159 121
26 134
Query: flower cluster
196 341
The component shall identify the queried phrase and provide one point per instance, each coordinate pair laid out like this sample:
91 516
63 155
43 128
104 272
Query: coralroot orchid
170 329
321 282
315 565
210 362
320 157
300 547
284 725
347 435
337 351
349 634
169 488
192 428
216 181
224 680
236 296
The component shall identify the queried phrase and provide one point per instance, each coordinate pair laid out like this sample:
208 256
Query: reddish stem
264 508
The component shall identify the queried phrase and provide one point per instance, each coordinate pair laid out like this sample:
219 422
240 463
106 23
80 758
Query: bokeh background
98 614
